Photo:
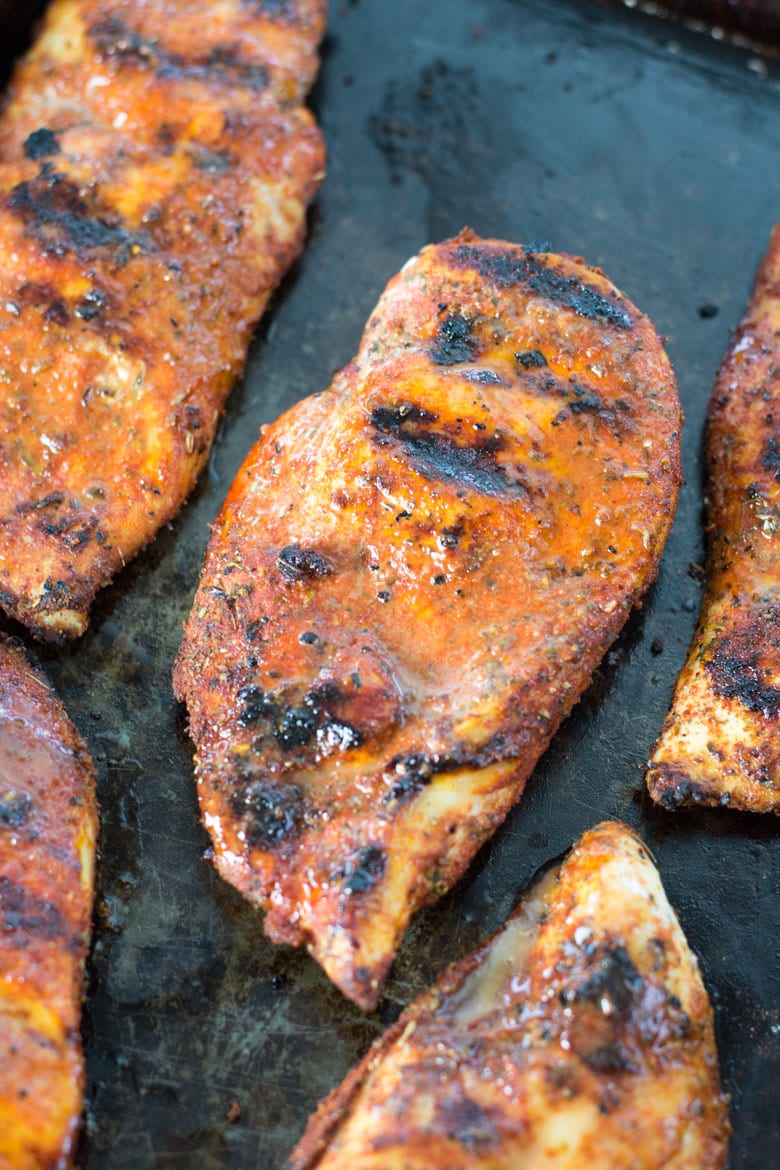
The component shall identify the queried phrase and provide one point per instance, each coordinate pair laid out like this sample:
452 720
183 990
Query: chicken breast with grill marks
578 1038
720 743
155 168
411 582
48 823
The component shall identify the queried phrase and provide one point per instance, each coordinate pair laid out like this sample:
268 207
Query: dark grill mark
297 563
54 212
15 809
507 268
270 813
742 661
73 530
34 505
364 871
113 39
437 456
412 773
41 144
454 341
21 911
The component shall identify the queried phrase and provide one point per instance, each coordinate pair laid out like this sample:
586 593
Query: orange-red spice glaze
720 743
579 1038
48 822
155 167
411 582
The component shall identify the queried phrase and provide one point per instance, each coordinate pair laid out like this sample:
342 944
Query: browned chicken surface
155 167
48 822
720 742
578 1038
411 582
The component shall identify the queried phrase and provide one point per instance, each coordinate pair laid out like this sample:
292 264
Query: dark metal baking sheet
651 152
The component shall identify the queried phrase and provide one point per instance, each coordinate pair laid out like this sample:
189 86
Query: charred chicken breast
411 582
48 822
720 742
155 168
578 1038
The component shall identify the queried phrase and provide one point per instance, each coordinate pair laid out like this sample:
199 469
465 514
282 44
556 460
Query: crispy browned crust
155 168
411 582
48 823
579 1037
720 743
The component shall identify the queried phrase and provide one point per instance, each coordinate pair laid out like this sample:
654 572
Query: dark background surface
653 153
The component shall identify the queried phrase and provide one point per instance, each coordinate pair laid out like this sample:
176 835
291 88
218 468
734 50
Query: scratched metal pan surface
654 153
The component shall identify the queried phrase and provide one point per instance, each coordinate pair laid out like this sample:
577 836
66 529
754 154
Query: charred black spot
15 809
255 705
507 268
308 638
671 788
393 419
611 986
54 212
454 341
438 456
483 377
57 312
21 911
91 305
530 359
113 39
451 535
743 664
364 871
585 401
41 144
770 456
73 529
411 774
271 813
295 727
297 563
55 591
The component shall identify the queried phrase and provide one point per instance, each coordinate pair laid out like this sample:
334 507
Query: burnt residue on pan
535 120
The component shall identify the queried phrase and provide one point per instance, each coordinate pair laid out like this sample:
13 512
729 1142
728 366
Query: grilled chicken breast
155 167
48 822
578 1038
720 742
411 582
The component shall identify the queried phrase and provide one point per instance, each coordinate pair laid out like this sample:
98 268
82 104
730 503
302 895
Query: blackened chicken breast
578 1038
155 167
411 582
